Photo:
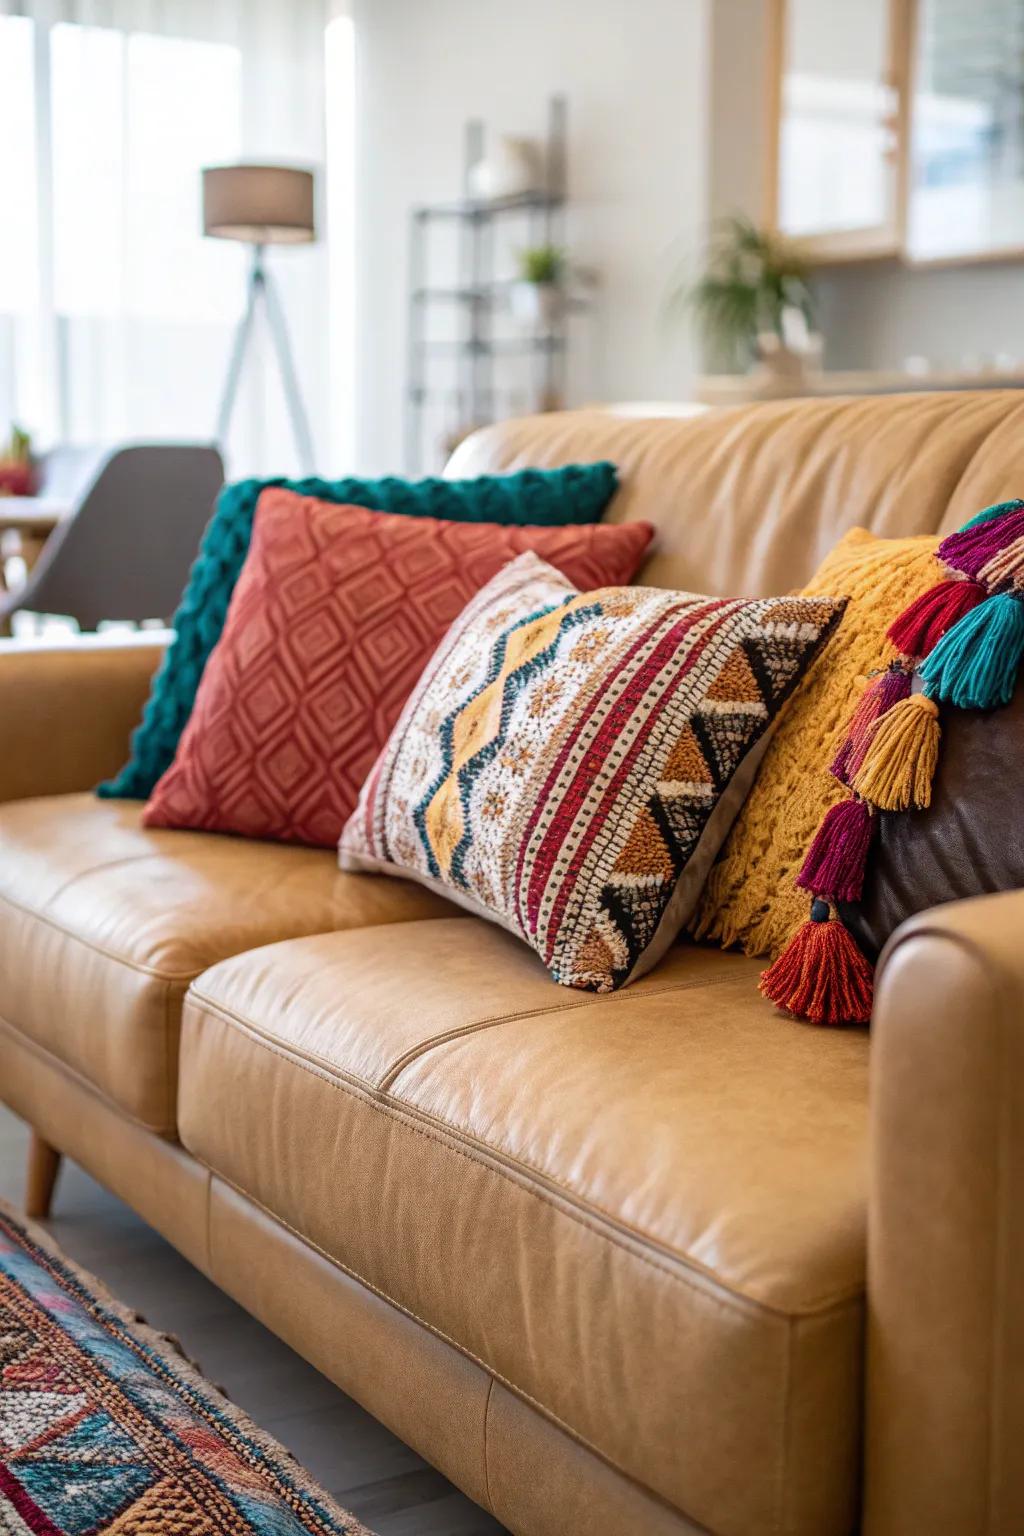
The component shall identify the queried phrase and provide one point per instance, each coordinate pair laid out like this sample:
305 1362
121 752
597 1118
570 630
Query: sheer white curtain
115 314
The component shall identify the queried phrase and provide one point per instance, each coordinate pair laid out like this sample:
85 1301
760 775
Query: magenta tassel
998 509
836 860
888 688
972 548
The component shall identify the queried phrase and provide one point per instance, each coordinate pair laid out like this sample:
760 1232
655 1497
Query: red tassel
920 627
821 975
888 688
837 858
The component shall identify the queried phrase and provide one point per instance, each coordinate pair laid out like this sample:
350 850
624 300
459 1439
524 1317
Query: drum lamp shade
259 204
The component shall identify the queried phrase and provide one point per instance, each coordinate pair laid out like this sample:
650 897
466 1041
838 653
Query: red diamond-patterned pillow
334 616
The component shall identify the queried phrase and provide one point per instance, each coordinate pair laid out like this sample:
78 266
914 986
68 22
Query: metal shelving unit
477 297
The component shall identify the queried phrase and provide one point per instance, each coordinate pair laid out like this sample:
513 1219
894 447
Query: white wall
739 38
635 73
876 317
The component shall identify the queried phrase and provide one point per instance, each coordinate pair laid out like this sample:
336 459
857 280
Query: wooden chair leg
40 1176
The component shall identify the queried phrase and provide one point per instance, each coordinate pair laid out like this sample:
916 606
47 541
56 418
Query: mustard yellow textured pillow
750 898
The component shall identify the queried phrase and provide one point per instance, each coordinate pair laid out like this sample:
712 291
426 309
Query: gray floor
371 1473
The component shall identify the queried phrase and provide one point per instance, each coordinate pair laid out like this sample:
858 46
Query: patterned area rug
105 1427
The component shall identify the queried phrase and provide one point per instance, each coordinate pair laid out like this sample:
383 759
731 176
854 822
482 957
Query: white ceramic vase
509 169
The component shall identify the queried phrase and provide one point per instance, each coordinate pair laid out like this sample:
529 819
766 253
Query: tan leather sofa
653 1263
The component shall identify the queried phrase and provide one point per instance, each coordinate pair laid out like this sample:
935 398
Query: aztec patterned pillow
570 762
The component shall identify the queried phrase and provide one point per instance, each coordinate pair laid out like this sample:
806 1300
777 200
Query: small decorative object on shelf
537 297
513 168
17 471
754 301
489 371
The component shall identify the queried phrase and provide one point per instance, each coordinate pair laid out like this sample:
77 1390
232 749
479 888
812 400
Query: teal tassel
990 513
974 665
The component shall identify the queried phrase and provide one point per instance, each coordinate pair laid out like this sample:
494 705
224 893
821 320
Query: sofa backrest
748 500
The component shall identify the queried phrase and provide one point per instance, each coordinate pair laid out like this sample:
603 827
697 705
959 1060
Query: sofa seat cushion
103 924
643 1212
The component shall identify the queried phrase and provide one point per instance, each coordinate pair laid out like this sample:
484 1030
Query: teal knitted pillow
577 493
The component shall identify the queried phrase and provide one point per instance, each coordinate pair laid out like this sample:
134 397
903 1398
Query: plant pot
538 305
16 477
788 364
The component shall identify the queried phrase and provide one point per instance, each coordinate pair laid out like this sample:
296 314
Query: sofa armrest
67 709
945 1403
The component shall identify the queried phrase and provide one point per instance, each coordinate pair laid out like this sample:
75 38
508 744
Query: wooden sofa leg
40 1176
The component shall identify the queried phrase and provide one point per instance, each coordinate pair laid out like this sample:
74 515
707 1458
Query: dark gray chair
124 550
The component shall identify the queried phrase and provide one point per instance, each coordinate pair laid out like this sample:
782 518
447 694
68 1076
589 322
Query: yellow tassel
900 762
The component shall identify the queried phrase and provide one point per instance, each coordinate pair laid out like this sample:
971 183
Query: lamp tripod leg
289 378
238 350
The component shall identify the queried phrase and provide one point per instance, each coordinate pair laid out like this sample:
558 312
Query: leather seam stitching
95 869
181 977
393 1072
417 1053
996 981
438 1333
208 1223
34 1048
318 1065
969 946
171 1092
487 1470
785 1410
397 1113
832 1304
720 1295
998 1355
400 1115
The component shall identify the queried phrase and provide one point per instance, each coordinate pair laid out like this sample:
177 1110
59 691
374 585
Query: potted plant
538 294
754 301
17 473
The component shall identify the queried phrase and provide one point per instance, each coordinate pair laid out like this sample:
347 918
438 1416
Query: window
116 315
135 118
19 255
18 252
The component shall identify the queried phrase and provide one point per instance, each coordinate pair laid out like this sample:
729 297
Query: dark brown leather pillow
970 840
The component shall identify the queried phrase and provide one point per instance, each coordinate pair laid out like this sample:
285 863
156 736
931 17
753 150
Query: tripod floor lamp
262 205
